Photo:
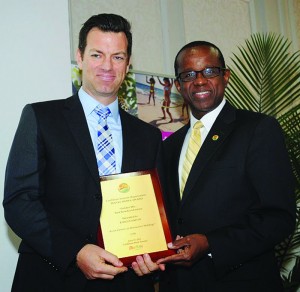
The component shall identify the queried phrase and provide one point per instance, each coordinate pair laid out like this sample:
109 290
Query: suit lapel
220 130
174 163
130 141
75 118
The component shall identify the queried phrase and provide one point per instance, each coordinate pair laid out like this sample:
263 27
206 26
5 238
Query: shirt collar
89 103
209 118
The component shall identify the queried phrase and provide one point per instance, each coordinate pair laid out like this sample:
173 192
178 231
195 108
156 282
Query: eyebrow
116 53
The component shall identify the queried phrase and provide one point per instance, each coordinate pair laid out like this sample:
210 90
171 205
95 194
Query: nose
106 63
199 80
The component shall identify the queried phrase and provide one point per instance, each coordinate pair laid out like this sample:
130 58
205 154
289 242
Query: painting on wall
126 93
152 98
159 103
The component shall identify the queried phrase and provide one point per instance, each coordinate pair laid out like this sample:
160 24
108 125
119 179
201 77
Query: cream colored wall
144 16
35 66
161 27
35 53
295 7
224 23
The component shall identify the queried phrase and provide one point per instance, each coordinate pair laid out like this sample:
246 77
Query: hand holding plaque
133 219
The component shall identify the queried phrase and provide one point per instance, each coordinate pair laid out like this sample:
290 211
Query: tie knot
102 112
198 125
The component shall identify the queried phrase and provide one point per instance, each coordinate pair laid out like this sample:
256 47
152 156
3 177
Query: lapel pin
215 137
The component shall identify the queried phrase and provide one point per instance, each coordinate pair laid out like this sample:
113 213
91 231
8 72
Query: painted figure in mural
52 197
184 108
235 202
167 84
151 81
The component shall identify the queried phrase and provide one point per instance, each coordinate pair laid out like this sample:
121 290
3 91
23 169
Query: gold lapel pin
215 137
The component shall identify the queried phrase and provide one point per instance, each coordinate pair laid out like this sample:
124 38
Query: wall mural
151 97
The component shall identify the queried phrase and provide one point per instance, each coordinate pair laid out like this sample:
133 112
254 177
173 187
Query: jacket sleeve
272 218
24 192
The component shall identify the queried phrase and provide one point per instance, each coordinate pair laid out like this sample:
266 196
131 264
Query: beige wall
161 27
35 66
35 53
224 23
144 16
296 10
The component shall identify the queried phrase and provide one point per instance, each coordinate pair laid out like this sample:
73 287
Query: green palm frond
290 123
265 78
127 94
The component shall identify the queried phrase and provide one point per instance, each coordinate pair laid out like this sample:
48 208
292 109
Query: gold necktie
191 153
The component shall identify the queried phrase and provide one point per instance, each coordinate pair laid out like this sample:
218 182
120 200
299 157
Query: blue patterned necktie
105 150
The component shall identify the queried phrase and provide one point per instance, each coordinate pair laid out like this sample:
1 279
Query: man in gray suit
52 197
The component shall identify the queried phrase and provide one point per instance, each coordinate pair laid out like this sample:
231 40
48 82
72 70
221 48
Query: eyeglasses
209 72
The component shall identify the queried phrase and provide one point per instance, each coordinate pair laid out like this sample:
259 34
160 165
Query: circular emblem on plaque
123 188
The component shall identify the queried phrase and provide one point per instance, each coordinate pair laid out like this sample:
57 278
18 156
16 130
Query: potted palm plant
265 77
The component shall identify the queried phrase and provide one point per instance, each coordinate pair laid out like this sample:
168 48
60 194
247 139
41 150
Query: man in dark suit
52 195
237 202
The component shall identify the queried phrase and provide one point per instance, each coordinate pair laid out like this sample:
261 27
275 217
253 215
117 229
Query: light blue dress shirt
113 121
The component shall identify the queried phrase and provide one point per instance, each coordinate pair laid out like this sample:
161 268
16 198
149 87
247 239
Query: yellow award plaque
133 219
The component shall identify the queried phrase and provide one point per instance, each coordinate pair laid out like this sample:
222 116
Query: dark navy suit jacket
52 194
240 194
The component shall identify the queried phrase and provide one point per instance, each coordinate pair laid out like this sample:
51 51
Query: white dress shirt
207 121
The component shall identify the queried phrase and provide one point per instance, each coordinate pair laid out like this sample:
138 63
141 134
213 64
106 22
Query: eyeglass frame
200 71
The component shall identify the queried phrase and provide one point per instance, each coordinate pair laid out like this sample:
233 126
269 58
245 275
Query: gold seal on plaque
123 188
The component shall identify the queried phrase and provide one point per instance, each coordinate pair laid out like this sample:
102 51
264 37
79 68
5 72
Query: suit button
97 196
179 220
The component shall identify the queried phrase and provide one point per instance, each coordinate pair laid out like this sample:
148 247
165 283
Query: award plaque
133 220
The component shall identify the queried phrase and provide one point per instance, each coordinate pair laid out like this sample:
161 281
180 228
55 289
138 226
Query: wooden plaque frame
161 208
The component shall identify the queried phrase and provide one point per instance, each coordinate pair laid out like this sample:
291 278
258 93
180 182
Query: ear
79 59
226 76
128 65
177 84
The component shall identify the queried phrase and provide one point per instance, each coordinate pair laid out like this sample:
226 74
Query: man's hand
145 266
189 250
95 262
